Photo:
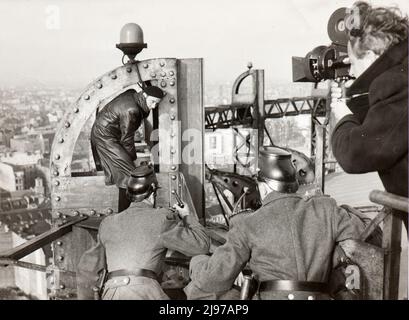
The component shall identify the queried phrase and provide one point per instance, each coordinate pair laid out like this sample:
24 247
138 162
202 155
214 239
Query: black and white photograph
216 151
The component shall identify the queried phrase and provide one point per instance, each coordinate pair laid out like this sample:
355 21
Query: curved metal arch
240 98
161 72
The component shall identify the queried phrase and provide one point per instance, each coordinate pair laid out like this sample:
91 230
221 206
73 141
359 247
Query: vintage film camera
326 62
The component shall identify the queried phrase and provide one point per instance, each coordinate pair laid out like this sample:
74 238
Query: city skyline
55 43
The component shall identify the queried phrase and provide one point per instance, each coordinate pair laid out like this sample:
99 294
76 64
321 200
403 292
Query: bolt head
172 100
57 198
153 75
129 69
59 243
55 173
162 64
173 167
67 124
75 213
76 110
92 212
163 84
291 296
173 177
57 157
56 183
162 74
113 77
86 97
62 286
171 73
172 117
172 83
145 65
110 211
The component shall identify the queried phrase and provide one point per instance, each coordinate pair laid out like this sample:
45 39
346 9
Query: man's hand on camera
338 105
183 212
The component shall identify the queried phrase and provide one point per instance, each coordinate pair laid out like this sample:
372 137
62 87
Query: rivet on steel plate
56 183
76 110
67 124
86 97
57 157
113 77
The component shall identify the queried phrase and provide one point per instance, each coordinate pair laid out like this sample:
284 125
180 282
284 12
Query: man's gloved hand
183 212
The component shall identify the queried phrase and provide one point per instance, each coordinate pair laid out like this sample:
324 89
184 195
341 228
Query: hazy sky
72 42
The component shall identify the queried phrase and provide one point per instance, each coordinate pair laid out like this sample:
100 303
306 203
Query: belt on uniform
289 285
136 272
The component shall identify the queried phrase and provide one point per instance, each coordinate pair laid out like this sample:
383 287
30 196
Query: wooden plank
390 200
391 242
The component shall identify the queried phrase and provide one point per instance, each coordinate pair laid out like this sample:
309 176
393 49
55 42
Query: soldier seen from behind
130 244
288 243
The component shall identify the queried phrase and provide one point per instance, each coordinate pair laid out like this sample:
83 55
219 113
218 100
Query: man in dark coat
288 243
113 133
131 245
374 137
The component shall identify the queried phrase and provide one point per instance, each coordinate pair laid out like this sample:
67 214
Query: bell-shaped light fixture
131 40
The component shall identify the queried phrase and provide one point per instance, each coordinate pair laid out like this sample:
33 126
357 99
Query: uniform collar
274 195
141 204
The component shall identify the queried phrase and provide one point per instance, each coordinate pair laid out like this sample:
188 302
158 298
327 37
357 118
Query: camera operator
373 132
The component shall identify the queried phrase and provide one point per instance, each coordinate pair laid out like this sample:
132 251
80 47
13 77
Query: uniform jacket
375 137
113 133
288 238
134 239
